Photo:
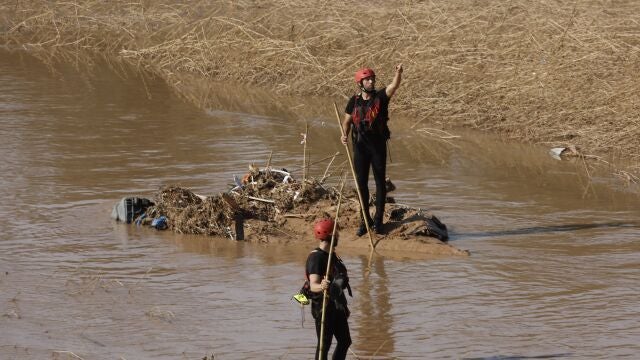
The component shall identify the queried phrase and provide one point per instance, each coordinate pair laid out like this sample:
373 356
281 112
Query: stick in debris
268 167
263 200
304 153
317 161
324 176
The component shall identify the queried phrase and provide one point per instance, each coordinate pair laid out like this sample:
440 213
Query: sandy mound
268 206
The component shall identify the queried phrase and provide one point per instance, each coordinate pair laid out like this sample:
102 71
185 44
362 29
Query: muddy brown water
553 271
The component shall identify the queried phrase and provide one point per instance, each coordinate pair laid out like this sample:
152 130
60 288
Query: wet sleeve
350 105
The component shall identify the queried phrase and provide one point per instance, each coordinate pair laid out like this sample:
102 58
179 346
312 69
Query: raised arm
395 84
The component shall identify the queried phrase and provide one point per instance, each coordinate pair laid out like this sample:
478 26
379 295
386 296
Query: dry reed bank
556 72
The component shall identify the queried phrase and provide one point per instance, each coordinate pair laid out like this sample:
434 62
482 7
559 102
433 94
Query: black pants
371 153
335 324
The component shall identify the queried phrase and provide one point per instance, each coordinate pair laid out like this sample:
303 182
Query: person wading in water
336 310
366 117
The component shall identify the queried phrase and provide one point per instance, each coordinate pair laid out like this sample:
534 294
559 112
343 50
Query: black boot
378 227
362 229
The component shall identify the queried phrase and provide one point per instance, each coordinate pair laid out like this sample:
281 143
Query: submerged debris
564 152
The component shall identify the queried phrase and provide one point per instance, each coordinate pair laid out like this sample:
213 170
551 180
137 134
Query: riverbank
556 74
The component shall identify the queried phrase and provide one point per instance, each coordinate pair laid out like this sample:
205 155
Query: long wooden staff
324 293
355 179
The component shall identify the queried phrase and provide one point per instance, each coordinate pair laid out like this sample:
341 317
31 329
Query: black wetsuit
336 311
370 134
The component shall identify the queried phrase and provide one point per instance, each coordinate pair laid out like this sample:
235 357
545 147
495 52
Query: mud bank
268 206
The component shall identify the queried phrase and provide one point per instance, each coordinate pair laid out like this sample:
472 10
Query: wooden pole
355 179
324 293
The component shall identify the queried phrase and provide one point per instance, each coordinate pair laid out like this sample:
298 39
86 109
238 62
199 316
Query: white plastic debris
556 152
287 178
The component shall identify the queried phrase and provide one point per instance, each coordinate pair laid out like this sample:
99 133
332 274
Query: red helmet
364 73
323 229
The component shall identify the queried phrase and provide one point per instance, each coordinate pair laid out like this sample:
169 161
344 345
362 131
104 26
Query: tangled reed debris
265 196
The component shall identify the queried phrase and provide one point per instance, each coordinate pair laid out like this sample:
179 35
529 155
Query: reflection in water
374 328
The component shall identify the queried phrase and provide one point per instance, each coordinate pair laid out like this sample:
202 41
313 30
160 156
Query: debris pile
270 206
188 213
263 195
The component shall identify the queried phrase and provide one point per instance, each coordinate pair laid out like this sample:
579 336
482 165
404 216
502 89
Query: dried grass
550 72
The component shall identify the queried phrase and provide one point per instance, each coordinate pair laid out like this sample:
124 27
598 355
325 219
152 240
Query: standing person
336 310
366 117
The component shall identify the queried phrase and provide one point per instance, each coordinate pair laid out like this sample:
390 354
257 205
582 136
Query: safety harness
365 112
338 274
366 119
